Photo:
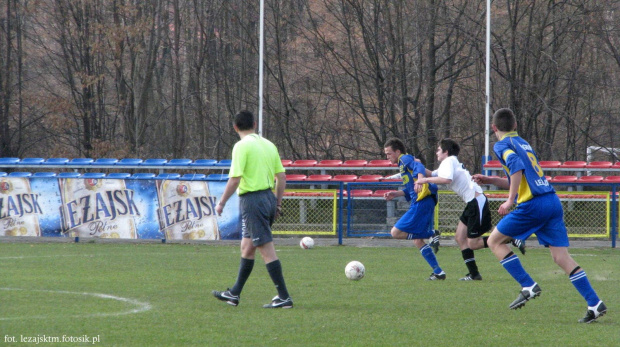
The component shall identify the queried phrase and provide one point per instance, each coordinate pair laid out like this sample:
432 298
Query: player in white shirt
476 218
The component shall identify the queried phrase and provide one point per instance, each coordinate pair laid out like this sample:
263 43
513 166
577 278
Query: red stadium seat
369 178
380 163
493 164
599 165
612 179
304 163
319 178
590 179
355 163
295 177
563 178
616 165
286 162
547 164
381 192
345 178
329 163
573 164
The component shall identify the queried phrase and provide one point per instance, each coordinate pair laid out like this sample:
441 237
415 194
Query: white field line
139 305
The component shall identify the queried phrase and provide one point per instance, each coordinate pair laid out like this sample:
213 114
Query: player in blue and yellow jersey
538 211
416 223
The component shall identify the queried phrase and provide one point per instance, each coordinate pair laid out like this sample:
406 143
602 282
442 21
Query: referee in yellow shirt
255 164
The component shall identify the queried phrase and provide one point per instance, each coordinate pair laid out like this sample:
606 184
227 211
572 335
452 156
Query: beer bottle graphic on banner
102 208
19 208
187 210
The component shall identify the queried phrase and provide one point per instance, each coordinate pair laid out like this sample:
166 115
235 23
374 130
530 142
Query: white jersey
462 184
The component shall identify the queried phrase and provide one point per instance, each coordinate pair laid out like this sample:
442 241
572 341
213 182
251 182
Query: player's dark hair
396 145
244 120
450 146
504 119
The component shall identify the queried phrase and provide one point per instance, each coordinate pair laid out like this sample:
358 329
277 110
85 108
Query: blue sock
430 258
512 264
581 282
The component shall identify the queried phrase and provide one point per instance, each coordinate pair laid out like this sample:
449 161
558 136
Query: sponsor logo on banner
187 210
102 208
19 208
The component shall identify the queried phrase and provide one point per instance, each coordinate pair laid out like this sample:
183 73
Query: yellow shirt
256 160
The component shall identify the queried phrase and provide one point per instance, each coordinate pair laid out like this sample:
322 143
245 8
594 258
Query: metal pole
488 87
261 45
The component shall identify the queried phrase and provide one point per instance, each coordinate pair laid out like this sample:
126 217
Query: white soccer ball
355 270
306 243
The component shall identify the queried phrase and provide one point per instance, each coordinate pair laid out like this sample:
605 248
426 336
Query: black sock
245 269
470 261
485 241
275 272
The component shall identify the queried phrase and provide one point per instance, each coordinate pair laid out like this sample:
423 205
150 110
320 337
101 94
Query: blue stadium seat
106 161
154 162
31 161
44 174
2 174
192 177
217 177
129 161
224 162
69 175
7 160
56 161
93 175
179 162
168 176
143 175
81 161
204 162
119 175
20 174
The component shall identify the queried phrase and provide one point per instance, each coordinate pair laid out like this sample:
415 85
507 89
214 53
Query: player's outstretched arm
499 182
391 195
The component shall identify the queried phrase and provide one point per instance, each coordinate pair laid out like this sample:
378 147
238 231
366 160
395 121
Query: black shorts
478 220
258 212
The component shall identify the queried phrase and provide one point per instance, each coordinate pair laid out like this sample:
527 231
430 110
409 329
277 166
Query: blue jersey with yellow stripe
409 170
516 154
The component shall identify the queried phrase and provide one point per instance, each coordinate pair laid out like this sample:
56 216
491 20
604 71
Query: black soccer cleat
594 312
435 241
276 302
226 296
437 277
520 244
525 295
469 277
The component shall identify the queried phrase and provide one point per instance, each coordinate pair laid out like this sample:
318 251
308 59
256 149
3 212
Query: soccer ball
355 270
306 243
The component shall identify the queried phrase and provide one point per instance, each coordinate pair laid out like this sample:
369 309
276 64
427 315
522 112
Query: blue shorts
543 216
418 219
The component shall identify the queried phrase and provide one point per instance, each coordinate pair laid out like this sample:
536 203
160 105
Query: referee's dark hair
244 120
450 146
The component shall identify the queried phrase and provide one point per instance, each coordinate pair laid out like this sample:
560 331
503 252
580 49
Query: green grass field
160 295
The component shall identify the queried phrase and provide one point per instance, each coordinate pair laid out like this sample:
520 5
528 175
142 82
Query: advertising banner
116 208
